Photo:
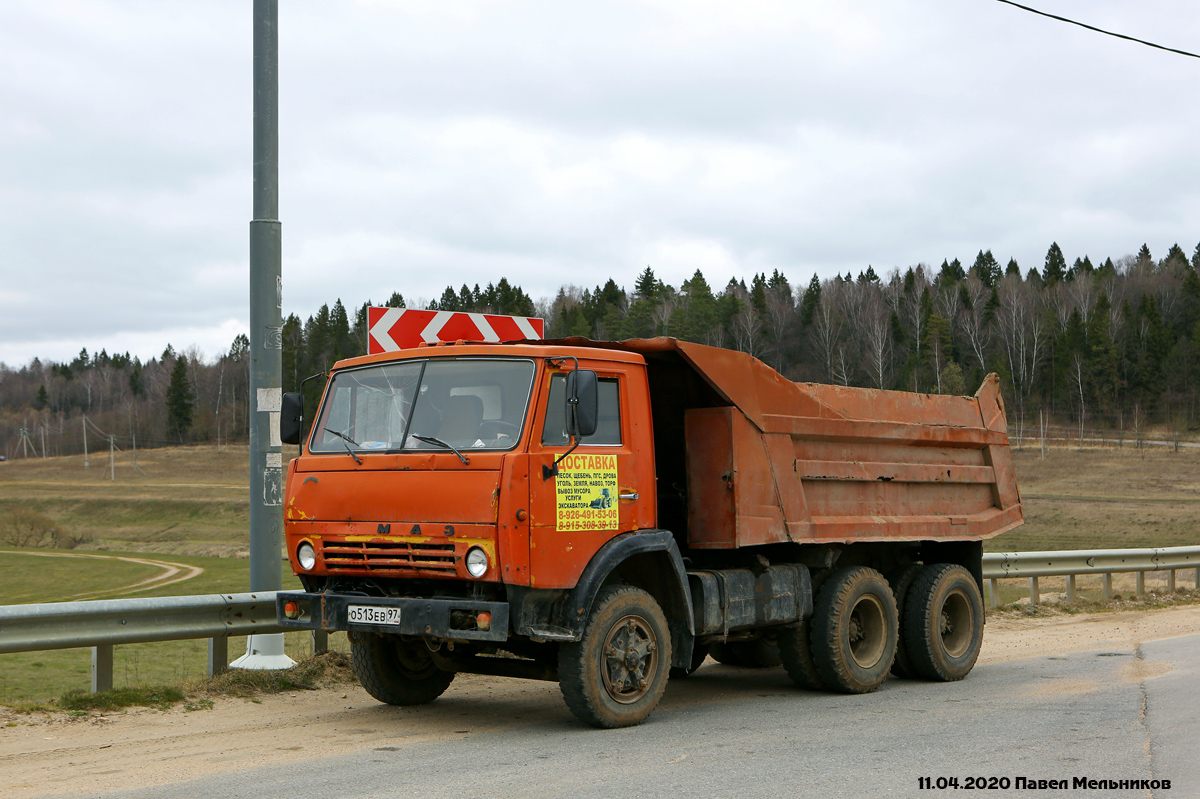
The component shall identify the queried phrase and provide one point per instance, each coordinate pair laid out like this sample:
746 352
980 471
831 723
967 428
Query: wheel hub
630 659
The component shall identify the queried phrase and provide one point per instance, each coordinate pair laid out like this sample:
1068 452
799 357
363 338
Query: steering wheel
496 428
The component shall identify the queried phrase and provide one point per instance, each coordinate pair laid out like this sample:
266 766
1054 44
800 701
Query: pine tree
179 400
1144 258
448 301
342 342
1102 358
1176 260
42 398
810 301
136 387
986 268
1056 265
701 312
1012 268
758 294
647 286
951 272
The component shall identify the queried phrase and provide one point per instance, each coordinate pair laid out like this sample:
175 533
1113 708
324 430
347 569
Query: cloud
432 144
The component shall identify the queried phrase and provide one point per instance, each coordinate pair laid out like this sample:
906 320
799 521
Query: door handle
632 497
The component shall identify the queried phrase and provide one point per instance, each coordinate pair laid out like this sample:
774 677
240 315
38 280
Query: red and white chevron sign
394 329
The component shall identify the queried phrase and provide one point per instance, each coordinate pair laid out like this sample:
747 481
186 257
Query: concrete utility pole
266 339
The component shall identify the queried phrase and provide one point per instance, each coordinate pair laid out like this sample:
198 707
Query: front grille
387 555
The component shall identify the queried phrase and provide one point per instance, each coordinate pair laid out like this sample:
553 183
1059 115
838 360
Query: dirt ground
60 754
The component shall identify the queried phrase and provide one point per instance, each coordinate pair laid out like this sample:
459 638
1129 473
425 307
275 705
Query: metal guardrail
103 624
1072 563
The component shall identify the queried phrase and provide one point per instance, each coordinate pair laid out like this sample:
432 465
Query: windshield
414 405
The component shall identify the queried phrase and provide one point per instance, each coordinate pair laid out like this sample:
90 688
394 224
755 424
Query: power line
1098 30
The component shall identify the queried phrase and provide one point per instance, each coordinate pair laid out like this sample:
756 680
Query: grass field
1106 499
190 501
191 509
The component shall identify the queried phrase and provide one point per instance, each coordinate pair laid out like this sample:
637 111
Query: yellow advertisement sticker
586 491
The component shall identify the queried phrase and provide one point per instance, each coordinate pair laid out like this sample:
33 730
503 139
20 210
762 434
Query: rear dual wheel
851 637
901 580
943 623
761 653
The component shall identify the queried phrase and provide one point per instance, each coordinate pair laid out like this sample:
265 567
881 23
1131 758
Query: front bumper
431 618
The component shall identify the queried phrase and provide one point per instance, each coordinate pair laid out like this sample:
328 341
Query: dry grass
1106 499
318 671
1055 605
190 501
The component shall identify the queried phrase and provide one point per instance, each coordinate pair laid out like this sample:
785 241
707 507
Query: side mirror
583 403
291 417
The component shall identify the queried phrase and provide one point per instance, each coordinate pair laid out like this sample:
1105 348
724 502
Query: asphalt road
728 732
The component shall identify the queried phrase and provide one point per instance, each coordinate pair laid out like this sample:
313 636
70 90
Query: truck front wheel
615 675
397 671
854 630
943 622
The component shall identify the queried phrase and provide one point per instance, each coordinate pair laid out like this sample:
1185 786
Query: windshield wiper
344 439
440 443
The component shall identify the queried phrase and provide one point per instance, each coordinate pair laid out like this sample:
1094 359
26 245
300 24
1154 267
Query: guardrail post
994 592
1070 588
102 668
1198 579
218 655
1141 584
1108 586
320 642
1170 581
1034 597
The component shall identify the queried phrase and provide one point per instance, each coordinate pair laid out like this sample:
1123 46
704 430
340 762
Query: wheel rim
867 633
414 662
630 659
957 622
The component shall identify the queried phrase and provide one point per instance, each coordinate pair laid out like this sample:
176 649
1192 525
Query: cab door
603 488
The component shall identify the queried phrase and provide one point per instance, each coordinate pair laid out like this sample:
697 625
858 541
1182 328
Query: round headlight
306 556
477 562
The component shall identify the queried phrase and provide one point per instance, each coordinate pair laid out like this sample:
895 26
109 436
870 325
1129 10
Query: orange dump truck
608 514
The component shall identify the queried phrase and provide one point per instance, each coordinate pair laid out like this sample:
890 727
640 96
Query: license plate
373 614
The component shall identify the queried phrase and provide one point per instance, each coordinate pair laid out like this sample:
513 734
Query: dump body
778 461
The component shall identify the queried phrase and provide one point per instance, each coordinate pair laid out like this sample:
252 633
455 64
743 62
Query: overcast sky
433 143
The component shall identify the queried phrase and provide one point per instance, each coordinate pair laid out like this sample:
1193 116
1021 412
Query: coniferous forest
1101 346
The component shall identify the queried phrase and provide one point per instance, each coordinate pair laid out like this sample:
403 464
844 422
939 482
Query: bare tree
827 327
1022 335
876 330
747 330
972 319
1078 371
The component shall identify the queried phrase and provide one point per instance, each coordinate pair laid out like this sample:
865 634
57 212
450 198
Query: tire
397 671
761 653
615 675
943 623
796 652
854 630
901 580
699 655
